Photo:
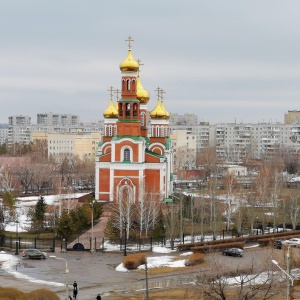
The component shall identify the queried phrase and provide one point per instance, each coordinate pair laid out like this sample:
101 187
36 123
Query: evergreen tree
65 226
38 215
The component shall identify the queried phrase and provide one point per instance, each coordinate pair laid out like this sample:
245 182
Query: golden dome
158 112
141 93
111 111
166 112
129 64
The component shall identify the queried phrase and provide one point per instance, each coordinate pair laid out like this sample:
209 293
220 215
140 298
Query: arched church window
157 131
128 84
135 109
127 109
127 154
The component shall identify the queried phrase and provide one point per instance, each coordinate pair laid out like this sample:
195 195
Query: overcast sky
225 61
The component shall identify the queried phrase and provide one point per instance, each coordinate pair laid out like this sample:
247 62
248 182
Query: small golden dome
141 93
111 112
129 64
166 112
158 112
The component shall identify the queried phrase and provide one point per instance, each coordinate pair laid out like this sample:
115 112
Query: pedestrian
75 289
98 297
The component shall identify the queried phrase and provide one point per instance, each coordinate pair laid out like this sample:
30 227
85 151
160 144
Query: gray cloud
222 60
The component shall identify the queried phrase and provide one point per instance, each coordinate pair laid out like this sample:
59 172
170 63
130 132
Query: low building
81 144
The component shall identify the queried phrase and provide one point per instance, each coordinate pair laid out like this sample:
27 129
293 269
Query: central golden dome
141 93
111 112
129 64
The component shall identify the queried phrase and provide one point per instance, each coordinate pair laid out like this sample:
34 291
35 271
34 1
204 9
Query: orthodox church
133 160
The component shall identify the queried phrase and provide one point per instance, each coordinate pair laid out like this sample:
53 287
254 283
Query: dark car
278 244
233 252
34 253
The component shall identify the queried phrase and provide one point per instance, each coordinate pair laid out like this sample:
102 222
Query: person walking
75 289
98 297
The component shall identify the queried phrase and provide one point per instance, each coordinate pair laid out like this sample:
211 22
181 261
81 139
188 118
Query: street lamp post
17 238
290 287
92 243
67 274
147 287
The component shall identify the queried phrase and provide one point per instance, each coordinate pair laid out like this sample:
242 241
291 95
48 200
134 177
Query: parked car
34 253
233 252
293 242
278 244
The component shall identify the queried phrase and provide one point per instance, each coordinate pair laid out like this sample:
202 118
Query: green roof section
128 100
168 143
168 200
153 153
134 138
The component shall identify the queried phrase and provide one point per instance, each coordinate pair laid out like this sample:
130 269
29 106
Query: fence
130 244
18 243
142 244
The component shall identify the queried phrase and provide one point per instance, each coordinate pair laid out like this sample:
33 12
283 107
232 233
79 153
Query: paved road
95 273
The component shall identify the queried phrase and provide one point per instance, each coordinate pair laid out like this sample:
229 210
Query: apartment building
292 117
184 149
19 120
81 144
3 133
235 141
53 119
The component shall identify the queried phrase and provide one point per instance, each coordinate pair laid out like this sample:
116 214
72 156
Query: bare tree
123 212
222 282
294 206
7 181
25 173
230 184
171 221
262 184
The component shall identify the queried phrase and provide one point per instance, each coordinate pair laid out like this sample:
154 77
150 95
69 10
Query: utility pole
288 265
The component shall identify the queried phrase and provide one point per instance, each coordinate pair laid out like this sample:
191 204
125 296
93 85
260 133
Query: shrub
134 260
10 293
214 248
40 294
195 259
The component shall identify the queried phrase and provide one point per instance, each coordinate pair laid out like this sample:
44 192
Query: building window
127 110
128 84
126 154
135 109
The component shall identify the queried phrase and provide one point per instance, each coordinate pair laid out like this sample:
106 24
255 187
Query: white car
293 242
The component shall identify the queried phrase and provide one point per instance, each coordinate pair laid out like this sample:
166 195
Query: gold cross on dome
158 92
117 91
162 92
129 41
111 89
140 64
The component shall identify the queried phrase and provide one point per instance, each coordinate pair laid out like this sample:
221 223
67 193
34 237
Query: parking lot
95 273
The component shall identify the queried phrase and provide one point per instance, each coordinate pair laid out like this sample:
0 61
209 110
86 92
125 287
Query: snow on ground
157 262
186 253
24 203
163 261
10 264
162 250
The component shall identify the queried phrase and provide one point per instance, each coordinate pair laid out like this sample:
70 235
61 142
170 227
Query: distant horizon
270 121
